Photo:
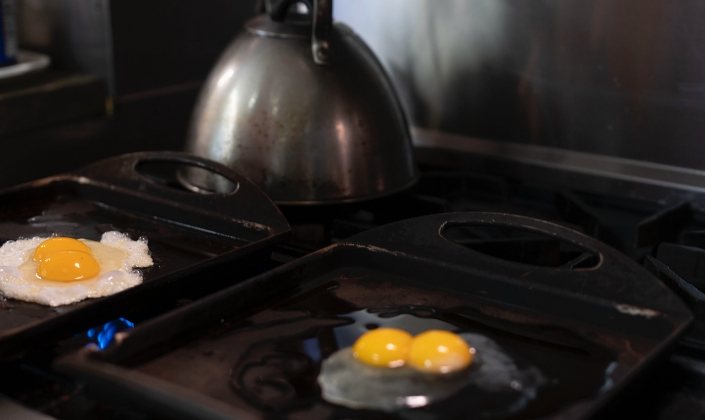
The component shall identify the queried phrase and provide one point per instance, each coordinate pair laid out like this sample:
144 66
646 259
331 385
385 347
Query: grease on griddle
270 361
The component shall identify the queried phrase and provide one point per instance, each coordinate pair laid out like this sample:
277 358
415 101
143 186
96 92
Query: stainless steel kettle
303 108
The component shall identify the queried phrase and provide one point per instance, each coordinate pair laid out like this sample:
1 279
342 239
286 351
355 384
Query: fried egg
59 271
430 367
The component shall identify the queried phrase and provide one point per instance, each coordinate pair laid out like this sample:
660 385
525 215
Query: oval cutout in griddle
170 174
519 245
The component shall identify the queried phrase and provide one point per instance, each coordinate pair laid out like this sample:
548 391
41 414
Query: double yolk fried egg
433 352
59 271
388 369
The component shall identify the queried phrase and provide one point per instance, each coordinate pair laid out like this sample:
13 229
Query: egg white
346 381
116 254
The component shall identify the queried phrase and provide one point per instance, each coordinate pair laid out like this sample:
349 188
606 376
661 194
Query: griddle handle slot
422 238
246 201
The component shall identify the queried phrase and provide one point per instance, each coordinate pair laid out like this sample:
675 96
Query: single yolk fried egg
56 244
383 347
68 266
58 271
65 259
437 365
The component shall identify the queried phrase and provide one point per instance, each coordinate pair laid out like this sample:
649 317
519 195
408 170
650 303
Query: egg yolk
439 352
68 266
52 245
65 259
383 347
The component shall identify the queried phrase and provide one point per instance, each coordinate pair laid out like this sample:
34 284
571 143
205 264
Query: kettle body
307 131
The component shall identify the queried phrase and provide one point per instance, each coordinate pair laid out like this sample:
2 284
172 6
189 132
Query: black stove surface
667 237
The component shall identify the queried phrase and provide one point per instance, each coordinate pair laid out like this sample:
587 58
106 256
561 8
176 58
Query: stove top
666 236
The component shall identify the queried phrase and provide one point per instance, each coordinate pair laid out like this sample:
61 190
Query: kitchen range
662 236
575 276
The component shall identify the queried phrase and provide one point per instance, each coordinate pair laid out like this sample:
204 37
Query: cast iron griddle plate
185 230
256 348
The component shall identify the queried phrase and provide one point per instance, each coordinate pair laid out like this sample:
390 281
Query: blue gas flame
103 335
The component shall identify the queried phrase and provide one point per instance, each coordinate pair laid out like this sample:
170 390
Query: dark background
158 54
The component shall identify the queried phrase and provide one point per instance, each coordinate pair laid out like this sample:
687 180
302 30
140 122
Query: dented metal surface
636 311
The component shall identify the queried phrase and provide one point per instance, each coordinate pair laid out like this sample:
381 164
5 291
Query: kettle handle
322 24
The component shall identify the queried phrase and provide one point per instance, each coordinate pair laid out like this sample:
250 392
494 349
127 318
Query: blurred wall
616 77
134 45
152 55
623 78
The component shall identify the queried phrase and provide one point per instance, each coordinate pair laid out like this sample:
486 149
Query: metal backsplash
621 78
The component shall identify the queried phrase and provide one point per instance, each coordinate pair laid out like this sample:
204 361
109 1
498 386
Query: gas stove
667 236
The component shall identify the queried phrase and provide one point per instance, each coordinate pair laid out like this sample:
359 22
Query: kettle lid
263 25
316 25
